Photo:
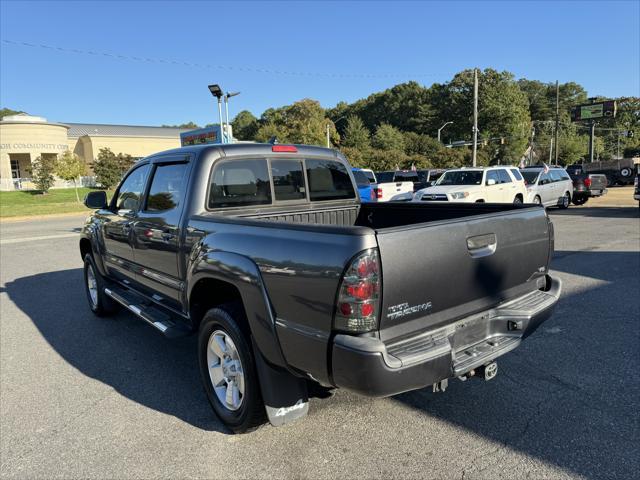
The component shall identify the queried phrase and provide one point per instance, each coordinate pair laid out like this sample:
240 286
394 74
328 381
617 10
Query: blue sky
594 43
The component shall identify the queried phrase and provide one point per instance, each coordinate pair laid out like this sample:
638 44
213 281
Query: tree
356 135
42 170
388 137
5 112
109 167
303 122
245 125
70 168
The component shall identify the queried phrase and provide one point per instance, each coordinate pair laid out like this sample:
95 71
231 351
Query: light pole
227 96
440 129
328 128
216 91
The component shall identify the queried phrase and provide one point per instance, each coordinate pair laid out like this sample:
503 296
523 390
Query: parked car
370 174
365 188
266 252
618 172
550 188
501 184
586 186
393 187
420 178
636 186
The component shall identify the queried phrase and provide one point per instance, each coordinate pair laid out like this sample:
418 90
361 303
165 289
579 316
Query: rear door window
504 176
288 180
167 187
328 180
238 183
556 175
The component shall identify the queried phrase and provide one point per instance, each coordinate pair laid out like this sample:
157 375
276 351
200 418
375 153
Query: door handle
482 245
167 237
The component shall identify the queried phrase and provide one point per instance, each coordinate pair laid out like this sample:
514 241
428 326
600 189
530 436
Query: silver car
550 188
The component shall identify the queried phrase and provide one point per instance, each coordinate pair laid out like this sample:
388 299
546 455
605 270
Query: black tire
566 201
480 201
103 305
579 200
626 172
251 413
517 200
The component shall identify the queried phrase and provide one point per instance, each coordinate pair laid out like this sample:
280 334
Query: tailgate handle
482 245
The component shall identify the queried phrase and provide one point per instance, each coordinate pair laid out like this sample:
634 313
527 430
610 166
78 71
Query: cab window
328 180
288 180
240 183
131 190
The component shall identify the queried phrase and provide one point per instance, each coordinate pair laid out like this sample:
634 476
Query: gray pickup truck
266 252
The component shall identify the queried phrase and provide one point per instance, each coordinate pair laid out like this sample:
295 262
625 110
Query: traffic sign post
591 112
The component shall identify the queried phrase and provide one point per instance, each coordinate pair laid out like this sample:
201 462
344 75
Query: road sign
594 111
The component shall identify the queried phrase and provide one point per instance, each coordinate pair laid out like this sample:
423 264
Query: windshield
461 177
530 176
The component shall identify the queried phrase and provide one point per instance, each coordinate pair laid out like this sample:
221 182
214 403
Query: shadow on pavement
598 212
119 351
569 395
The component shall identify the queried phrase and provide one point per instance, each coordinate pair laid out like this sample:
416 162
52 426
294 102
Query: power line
207 66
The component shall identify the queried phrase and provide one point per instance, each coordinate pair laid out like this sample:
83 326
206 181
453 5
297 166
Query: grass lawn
59 200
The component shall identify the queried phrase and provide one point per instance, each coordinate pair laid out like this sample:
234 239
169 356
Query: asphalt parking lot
95 398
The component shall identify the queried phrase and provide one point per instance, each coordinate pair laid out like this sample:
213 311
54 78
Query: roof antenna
273 140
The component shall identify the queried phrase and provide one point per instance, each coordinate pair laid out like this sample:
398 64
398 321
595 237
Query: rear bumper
368 366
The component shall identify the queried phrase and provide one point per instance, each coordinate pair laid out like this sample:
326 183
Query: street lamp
216 91
227 96
440 129
328 129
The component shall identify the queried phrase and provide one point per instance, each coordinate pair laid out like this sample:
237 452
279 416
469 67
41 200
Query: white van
552 188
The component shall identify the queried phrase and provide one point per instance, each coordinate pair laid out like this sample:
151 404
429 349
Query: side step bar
149 313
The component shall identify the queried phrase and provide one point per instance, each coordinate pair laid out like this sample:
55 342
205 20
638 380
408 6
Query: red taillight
378 192
358 298
284 148
587 182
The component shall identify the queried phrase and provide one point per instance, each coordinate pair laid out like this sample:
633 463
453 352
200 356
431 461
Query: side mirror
96 200
491 181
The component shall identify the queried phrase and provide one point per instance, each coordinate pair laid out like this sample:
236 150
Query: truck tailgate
435 273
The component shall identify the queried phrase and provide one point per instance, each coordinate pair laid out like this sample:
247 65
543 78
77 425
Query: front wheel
100 304
566 200
579 200
227 370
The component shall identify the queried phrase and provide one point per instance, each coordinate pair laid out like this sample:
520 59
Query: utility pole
592 134
557 120
551 149
475 115
328 139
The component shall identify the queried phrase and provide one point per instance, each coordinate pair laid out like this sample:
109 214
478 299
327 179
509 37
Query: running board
149 313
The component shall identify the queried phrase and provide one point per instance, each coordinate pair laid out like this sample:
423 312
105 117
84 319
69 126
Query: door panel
117 227
494 192
157 232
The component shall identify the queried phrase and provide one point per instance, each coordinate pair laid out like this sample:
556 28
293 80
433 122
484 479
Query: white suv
552 188
501 184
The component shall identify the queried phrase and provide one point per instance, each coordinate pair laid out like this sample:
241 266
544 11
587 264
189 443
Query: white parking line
11 241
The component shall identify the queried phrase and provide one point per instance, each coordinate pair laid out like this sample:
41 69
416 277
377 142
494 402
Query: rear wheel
537 200
566 200
517 200
99 302
227 369
579 200
626 172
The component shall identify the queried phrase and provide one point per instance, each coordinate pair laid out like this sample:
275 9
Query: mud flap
285 396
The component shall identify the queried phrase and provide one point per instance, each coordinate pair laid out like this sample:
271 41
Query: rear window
370 175
530 176
288 180
384 177
361 179
240 183
407 177
328 180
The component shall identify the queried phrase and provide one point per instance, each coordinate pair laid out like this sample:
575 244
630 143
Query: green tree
183 125
245 125
388 137
42 170
303 122
5 112
70 168
356 135
109 167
